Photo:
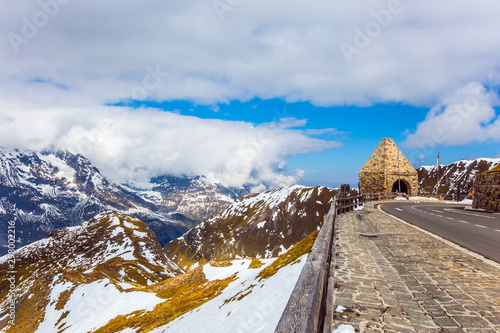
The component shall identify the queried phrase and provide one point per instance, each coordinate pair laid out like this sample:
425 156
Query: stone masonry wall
372 182
487 191
381 170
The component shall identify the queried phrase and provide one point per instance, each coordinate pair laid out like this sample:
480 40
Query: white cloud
290 122
135 144
284 48
62 60
464 117
332 131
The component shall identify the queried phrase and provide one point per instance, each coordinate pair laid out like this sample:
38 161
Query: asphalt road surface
476 231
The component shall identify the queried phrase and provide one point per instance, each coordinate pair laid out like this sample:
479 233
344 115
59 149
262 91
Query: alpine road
474 230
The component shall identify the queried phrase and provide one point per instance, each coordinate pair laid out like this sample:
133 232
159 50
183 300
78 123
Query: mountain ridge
453 175
197 197
260 225
44 191
110 274
110 253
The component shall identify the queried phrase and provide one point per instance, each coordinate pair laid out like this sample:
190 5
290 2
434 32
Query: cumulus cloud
464 117
132 145
63 60
90 52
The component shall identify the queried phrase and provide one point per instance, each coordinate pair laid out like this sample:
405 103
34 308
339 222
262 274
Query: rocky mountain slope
64 277
453 175
250 303
111 275
44 191
260 225
195 197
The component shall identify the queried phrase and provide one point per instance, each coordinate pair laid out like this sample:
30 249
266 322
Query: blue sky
265 92
360 129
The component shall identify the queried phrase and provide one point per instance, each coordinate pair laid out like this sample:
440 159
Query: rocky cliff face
44 191
109 253
260 225
452 176
198 198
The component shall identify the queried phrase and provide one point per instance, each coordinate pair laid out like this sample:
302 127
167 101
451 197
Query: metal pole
437 180
399 175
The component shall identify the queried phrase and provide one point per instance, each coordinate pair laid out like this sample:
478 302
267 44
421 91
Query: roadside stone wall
487 191
380 172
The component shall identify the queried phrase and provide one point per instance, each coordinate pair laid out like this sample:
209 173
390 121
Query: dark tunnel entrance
404 186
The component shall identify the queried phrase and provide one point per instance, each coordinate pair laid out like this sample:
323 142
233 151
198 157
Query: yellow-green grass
299 249
182 294
256 263
225 263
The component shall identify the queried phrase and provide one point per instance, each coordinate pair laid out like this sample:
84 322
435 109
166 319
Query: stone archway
405 186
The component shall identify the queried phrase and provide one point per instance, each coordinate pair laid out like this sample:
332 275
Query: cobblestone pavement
392 277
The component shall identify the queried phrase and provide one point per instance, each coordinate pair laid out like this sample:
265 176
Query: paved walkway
392 277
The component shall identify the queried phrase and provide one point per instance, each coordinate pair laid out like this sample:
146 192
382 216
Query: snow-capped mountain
111 275
44 191
91 263
195 197
453 175
260 225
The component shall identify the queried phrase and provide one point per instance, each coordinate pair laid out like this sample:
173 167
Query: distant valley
44 191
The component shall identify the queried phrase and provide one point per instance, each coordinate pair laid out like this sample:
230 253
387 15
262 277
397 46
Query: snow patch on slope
274 198
221 273
93 305
259 311
64 170
464 162
267 200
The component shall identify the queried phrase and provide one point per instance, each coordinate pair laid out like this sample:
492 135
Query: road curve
476 231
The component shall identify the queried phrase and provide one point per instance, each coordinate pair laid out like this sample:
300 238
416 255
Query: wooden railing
382 196
345 205
310 306
306 309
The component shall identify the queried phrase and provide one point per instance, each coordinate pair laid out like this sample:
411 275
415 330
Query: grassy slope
36 270
187 292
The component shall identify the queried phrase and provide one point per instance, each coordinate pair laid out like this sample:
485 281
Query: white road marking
467 213
480 226
450 243
463 221
439 215
399 209
450 218
497 230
